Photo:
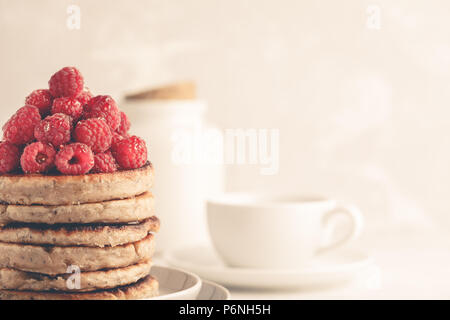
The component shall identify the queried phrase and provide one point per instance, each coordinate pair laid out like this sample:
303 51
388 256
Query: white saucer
327 269
176 284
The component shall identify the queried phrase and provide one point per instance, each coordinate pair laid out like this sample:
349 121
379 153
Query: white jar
182 182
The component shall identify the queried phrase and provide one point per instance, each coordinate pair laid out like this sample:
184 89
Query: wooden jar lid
176 91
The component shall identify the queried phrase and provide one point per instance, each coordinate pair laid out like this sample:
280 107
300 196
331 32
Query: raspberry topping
9 157
41 99
125 124
104 163
74 159
84 97
70 106
54 129
19 129
130 153
95 133
67 82
66 127
116 138
103 107
37 157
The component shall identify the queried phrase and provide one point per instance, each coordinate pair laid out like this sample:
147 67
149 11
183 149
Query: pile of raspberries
66 128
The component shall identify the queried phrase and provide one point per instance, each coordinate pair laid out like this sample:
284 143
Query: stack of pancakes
77 237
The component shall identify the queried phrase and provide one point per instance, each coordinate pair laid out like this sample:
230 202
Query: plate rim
215 284
196 287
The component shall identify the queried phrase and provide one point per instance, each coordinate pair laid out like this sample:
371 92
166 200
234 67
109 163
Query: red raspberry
75 158
37 157
70 106
125 124
130 153
54 129
104 163
20 127
67 82
41 99
103 107
9 157
95 133
116 138
84 97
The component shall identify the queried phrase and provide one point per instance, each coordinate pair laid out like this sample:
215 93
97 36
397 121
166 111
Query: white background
363 114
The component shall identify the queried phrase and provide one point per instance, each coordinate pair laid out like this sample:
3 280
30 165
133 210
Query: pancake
53 260
12 279
93 235
114 211
144 288
65 189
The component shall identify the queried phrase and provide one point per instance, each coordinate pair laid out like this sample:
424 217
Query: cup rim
268 200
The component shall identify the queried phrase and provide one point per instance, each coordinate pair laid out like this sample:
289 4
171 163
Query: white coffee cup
259 231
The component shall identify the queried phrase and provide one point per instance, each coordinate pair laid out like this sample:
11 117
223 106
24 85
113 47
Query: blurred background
362 105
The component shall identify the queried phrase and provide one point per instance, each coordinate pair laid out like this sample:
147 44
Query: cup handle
329 223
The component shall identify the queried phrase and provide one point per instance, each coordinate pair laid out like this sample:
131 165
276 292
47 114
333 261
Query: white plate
213 291
327 269
176 284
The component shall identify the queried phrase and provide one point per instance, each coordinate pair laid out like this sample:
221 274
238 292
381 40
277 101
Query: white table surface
409 264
